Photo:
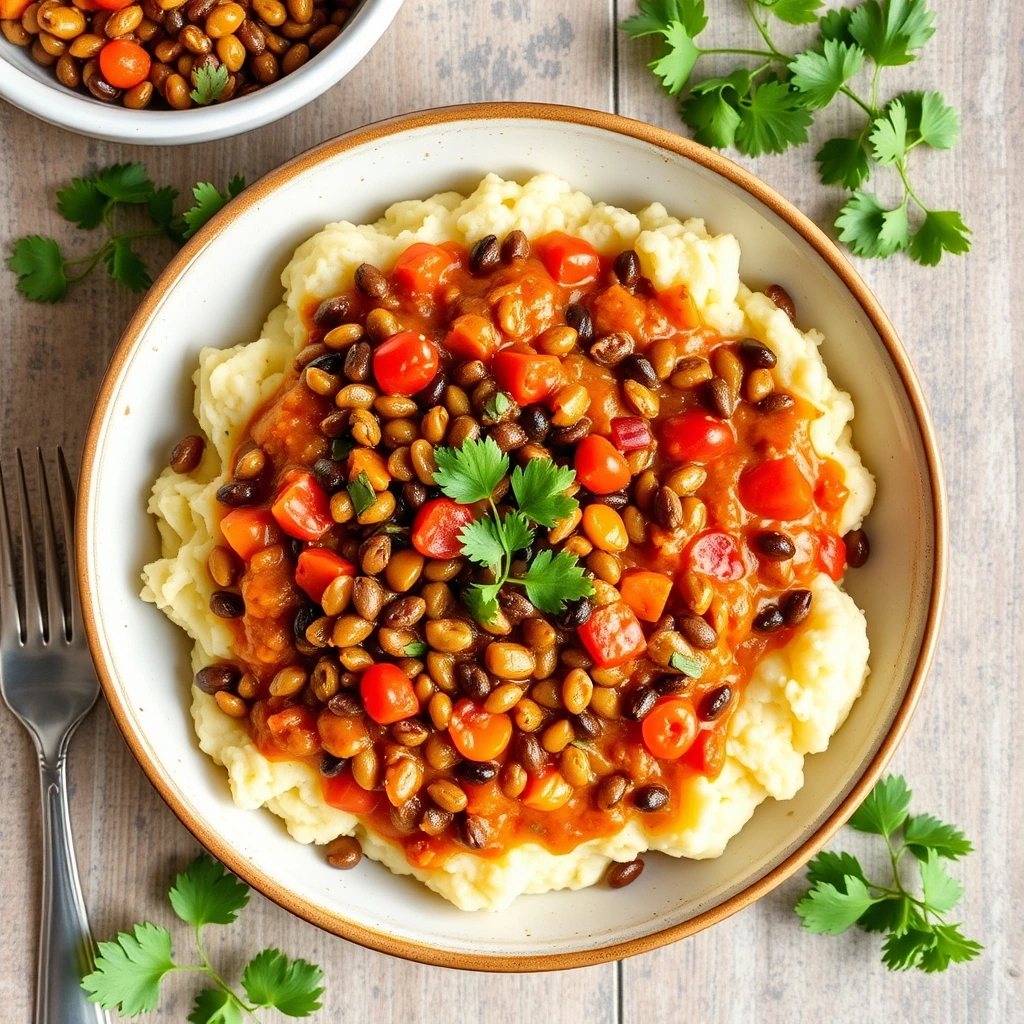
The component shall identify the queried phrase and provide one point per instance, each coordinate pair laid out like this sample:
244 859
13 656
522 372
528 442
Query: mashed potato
798 696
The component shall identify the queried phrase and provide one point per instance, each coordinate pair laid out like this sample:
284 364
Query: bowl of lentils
165 72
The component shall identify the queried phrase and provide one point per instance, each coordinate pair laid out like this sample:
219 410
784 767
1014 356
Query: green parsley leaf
125 266
161 207
931 120
941 890
481 542
125 183
656 16
942 231
922 833
830 911
889 134
861 223
82 203
676 64
362 493
796 12
773 118
550 582
711 108
38 262
210 84
884 809
891 29
892 914
691 667
215 1006
416 649
832 868
482 601
820 76
835 24
470 473
128 971
497 405
292 987
844 162
540 491
204 893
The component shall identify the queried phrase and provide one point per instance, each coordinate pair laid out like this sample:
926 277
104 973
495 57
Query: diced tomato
387 694
646 593
696 436
302 509
525 376
317 568
124 64
613 635
571 261
776 490
248 530
546 790
831 492
707 755
436 528
343 792
405 363
669 728
630 432
422 268
680 308
477 734
472 337
294 731
599 466
716 554
831 555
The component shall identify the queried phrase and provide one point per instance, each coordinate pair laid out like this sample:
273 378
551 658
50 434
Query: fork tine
10 620
67 514
54 614
33 606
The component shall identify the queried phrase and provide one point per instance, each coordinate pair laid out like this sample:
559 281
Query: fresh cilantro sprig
918 933
471 474
768 107
45 273
210 84
129 970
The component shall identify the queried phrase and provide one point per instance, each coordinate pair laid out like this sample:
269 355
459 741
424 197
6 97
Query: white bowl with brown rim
145 405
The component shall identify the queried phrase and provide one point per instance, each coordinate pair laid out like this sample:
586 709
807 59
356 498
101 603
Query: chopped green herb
688 666
210 84
340 447
416 650
496 406
362 493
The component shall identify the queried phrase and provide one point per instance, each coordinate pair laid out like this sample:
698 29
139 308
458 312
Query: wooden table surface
962 751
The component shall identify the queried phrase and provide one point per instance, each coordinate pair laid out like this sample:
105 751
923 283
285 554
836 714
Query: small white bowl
35 90
218 290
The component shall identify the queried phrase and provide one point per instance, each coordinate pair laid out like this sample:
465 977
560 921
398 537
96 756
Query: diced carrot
646 593
679 308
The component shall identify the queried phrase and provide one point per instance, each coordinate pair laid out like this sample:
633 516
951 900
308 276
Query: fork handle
65 943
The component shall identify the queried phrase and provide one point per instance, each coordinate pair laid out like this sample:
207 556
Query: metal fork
48 681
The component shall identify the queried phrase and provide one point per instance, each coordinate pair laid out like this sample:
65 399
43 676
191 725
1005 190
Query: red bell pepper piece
302 509
248 530
317 568
613 635
527 377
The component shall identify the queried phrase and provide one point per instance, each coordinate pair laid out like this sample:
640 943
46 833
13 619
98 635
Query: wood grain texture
961 752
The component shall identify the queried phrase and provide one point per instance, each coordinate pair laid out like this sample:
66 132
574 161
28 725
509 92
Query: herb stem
208 968
851 95
763 30
748 53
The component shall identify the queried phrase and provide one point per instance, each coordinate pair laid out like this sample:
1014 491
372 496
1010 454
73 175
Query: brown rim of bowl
825 248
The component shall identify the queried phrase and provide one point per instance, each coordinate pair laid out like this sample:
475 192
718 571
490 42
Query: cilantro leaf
900 952
888 31
950 946
470 473
892 914
38 262
772 118
843 162
292 987
941 890
820 76
922 833
124 265
124 183
895 231
551 581
362 493
833 868
236 186
676 64
692 667
656 16
540 491
208 202
128 971
835 24
482 601
82 203
210 84
889 134
942 231
215 1006
711 108
518 532
884 809
827 910
930 119
481 542
796 12
161 206
204 893
861 223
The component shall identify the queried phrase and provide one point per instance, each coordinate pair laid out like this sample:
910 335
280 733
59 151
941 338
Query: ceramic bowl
218 290
36 90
